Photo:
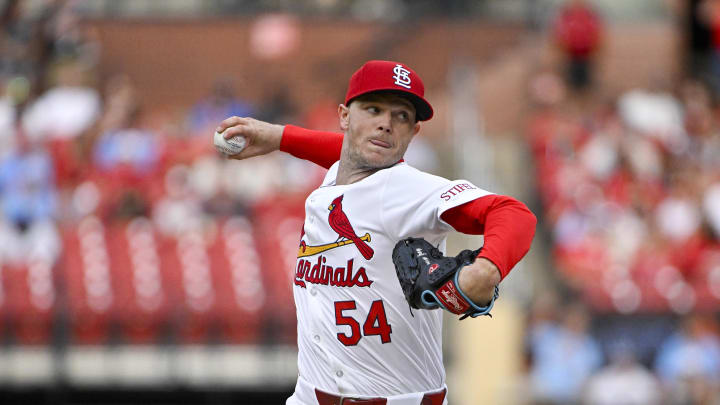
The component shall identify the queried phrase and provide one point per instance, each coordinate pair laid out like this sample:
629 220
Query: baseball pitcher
371 279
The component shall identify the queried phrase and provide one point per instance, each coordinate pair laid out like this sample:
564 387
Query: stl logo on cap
385 75
401 76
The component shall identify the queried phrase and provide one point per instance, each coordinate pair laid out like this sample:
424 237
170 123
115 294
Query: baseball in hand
229 147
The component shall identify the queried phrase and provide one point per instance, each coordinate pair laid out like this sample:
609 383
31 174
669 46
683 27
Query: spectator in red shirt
577 31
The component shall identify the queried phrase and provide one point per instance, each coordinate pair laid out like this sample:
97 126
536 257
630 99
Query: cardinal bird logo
340 223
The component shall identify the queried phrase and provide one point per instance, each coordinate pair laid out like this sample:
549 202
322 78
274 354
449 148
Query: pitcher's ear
344 115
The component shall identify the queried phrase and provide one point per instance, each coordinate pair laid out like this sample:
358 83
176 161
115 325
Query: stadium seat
242 295
140 291
31 301
87 275
278 225
187 269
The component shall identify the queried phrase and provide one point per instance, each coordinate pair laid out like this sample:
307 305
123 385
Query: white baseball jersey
356 332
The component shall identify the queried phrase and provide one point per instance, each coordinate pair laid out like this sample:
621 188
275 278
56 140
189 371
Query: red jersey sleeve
319 147
508 226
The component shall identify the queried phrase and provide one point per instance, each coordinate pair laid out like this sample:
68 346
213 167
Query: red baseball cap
392 77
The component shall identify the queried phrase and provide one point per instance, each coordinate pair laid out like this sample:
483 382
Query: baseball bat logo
306 250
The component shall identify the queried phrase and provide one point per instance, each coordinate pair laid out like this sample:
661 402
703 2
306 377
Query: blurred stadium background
137 266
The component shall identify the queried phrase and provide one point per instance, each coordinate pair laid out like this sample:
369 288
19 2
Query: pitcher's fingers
229 122
237 130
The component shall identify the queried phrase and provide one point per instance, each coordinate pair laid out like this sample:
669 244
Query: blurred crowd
74 144
574 358
82 160
629 186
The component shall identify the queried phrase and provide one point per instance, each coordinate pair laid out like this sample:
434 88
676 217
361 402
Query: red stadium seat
31 300
706 278
187 268
242 296
87 270
3 303
278 225
142 304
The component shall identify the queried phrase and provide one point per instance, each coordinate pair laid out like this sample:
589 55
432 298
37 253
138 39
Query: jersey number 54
375 323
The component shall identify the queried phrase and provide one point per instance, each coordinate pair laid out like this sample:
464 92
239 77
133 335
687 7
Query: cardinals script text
325 274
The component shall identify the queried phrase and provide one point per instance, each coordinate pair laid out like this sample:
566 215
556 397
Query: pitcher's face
378 128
